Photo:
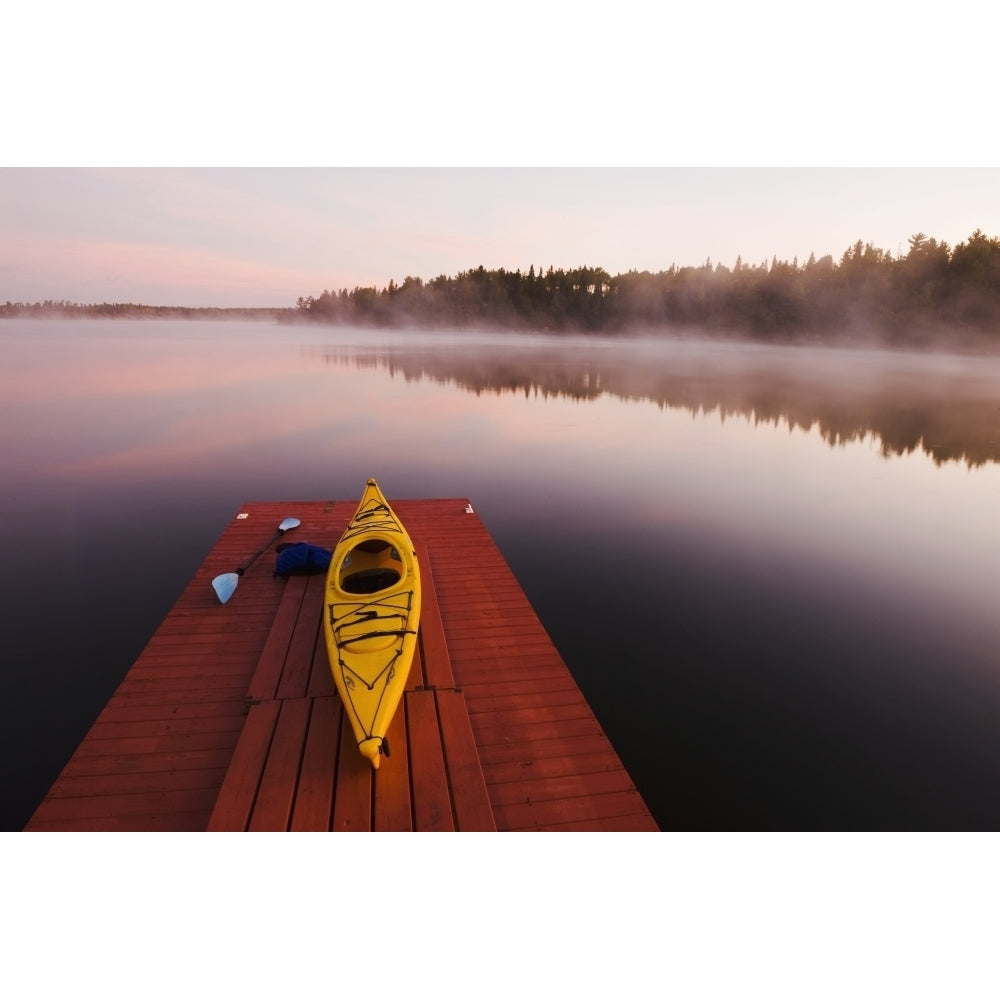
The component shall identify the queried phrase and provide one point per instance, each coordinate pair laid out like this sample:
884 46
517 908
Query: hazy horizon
264 237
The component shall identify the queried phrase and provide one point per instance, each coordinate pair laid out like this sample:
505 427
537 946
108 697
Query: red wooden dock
229 719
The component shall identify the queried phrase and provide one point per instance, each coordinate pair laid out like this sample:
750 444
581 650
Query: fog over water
772 571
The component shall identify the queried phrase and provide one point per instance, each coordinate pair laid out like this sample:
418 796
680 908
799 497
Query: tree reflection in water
947 405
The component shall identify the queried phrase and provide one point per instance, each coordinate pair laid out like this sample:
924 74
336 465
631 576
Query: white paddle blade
288 524
225 585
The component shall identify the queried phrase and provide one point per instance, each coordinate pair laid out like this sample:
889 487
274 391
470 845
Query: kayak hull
371 618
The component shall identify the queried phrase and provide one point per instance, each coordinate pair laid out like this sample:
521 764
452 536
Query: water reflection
947 406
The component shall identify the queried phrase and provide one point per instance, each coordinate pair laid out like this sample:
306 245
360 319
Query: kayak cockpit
371 566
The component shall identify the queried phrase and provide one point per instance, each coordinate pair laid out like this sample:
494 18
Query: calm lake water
790 555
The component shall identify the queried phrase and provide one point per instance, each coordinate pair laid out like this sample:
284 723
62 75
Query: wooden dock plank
473 810
542 786
272 660
416 679
584 812
161 817
155 744
320 676
121 783
219 684
431 796
148 708
114 762
128 731
314 795
393 809
238 792
352 811
434 645
130 810
272 808
505 734
557 748
294 682
603 760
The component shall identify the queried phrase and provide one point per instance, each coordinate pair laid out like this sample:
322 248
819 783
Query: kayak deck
229 719
372 619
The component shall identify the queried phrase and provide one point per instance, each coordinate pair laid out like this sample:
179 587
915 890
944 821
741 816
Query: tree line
906 298
60 308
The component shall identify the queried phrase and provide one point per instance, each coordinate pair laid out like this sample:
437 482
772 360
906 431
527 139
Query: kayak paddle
225 585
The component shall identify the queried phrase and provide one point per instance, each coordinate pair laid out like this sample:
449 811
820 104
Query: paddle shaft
257 555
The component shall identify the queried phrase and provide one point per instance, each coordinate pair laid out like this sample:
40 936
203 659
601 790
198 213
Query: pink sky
265 236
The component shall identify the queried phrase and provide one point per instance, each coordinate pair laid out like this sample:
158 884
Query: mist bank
942 405
932 294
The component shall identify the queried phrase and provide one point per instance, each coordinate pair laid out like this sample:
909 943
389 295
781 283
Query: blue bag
301 559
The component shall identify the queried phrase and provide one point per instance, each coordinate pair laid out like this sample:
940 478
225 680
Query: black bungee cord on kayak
390 667
372 510
375 635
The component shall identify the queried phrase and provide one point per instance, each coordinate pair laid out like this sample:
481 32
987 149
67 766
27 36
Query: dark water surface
773 571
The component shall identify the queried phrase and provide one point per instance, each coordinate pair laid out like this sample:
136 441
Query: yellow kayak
373 610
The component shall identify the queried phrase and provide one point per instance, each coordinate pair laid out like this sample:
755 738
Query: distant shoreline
934 296
51 309
951 340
